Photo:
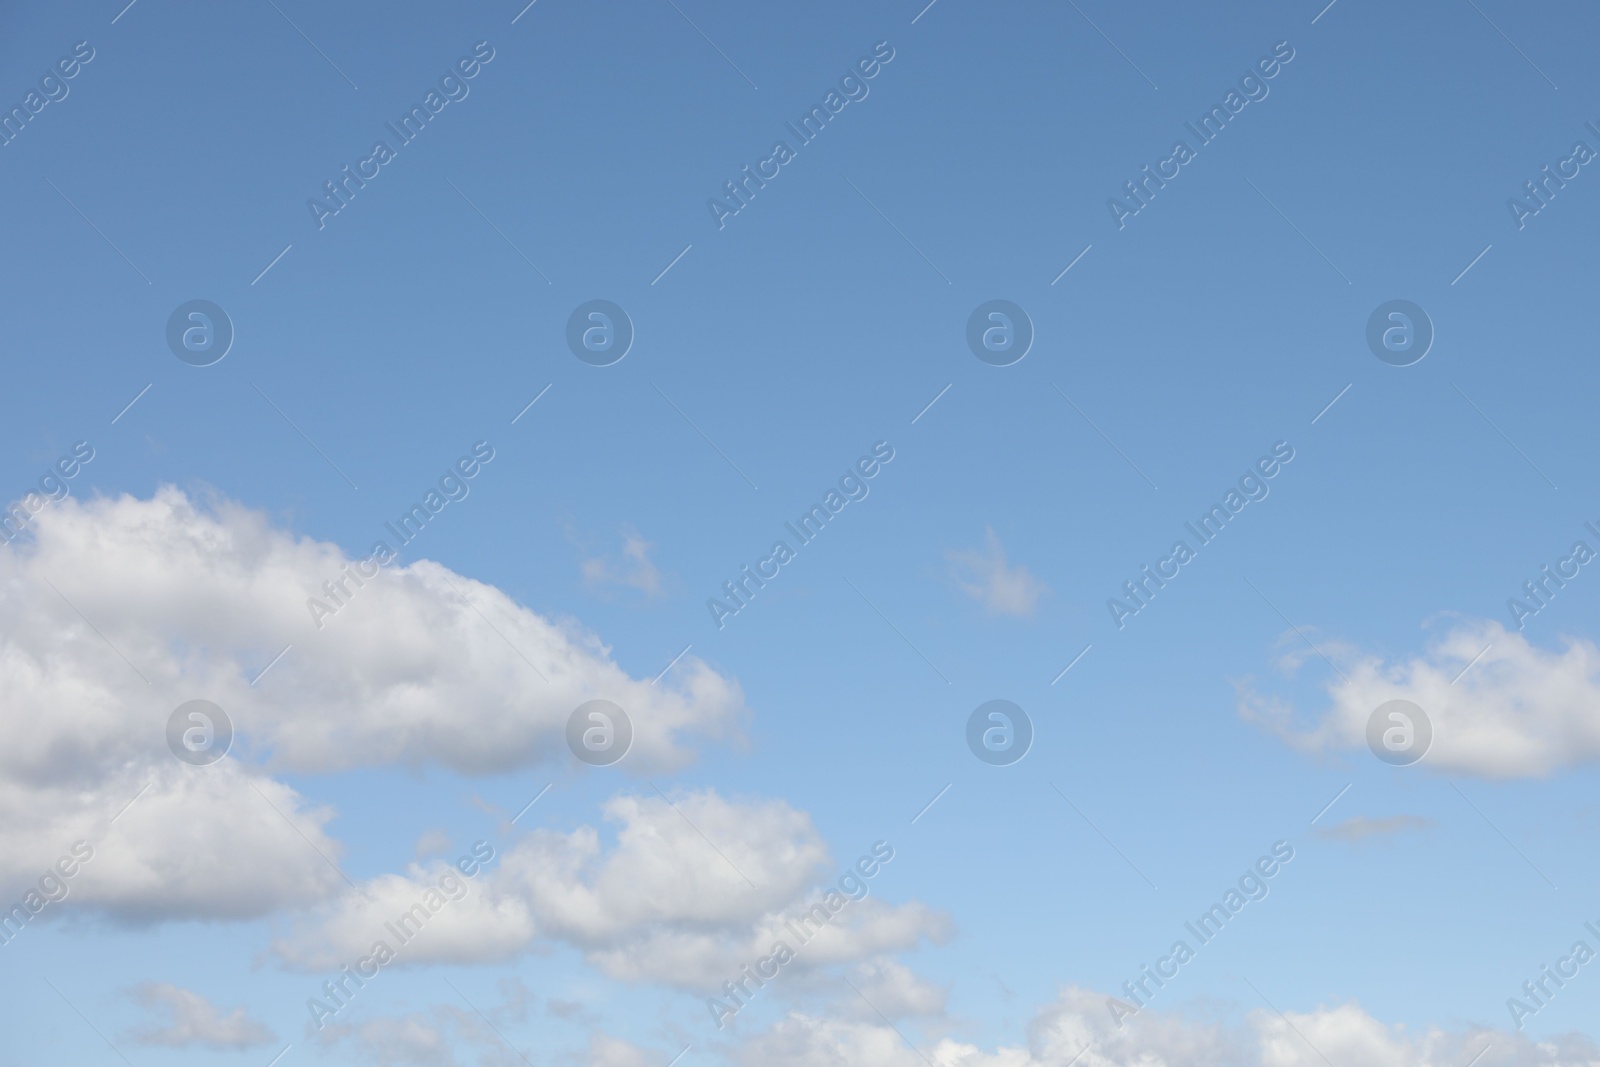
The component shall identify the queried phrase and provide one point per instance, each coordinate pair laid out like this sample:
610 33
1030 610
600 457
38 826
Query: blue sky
770 354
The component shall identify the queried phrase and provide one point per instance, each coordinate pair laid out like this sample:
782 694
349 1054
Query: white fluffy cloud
897 991
210 842
804 1040
1347 1034
1077 1028
420 666
1079 1019
194 1020
691 891
1520 711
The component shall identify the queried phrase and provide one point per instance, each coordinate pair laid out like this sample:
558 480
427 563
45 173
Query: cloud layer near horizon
1076 1029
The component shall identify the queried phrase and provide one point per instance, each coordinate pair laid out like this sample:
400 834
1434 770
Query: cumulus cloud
1518 711
444 917
1347 1034
896 990
986 577
194 1020
693 889
1078 1023
1074 1029
118 610
1077 1029
803 1040
170 840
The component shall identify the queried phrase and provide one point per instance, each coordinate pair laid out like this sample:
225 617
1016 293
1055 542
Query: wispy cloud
1361 827
986 577
632 568
194 1020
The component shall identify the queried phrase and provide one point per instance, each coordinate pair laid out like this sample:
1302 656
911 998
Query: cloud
1519 711
432 1037
194 1020
412 1040
190 842
896 991
567 1009
986 578
1079 1021
633 569
431 843
120 609
803 1040
1347 1034
1360 828
662 905
444 917
607 1051
1077 1029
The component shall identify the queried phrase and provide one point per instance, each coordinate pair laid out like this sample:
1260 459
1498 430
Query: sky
802 535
